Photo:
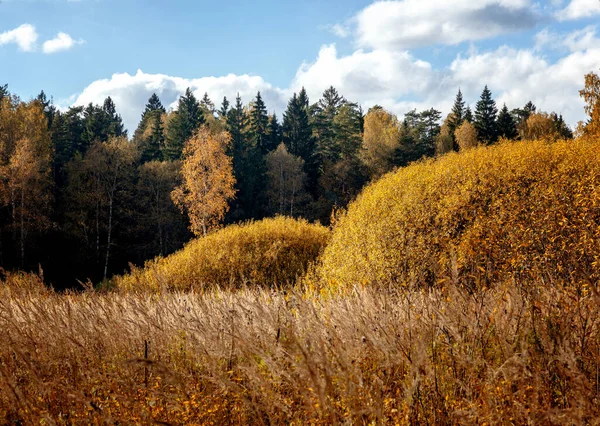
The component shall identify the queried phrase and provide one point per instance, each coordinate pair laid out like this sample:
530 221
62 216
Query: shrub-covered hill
265 253
526 210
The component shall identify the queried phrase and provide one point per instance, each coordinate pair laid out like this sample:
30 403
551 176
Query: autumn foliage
266 253
518 211
501 356
208 180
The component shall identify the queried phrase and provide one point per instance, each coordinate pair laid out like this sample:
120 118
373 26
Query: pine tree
297 136
114 122
150 134
259 121
506 124
244 163
457 116
430 125
322 115
49 109
224 108
562 130
3 92
188 118
468 115
274 133
485 118
207 104
154 104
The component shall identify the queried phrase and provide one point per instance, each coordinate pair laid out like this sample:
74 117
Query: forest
81 198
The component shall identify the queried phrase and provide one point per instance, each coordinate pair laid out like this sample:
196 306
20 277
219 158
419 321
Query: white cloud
516 76
24 36
396 80
403 24
373 77
131 92
575 41
577 9
61 42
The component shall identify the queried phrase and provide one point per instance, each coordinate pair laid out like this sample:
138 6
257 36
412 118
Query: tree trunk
110 210
22 226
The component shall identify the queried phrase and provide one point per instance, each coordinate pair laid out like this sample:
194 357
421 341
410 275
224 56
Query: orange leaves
268 253
517 210
591 96
208 181
381 138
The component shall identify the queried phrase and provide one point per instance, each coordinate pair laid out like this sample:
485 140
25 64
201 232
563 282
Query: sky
400 54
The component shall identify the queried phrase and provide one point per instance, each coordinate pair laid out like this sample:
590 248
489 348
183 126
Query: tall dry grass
499 356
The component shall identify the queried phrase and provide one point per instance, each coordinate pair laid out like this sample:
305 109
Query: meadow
482 311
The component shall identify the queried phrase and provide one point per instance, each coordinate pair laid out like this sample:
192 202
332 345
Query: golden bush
522 210
266 253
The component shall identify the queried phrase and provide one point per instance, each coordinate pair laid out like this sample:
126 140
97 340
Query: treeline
81 199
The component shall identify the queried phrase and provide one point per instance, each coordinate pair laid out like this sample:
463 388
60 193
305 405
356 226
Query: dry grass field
452 292
506 355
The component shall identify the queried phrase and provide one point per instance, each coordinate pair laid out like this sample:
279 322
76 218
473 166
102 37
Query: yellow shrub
516 210
266 253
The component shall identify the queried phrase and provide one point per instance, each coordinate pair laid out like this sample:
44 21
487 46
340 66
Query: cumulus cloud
577 9
61 42
396 80
368 77
131 92
519 75
24 36
404 24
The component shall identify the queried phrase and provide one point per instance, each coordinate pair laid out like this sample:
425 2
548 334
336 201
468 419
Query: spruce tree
274 133
457 116
297 135
3 92
207 104
485 118
323 115
151 142
187 119
429 124
468 115
114 122
154 104
224 108
259 121
506 124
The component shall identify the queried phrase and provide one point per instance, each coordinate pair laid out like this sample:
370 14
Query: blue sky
402 54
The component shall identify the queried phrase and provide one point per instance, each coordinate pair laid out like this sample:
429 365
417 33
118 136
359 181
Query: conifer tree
274 133
297 135
154 104
485 118
259 121
187 119
207 104
150 133
224 108
468 114
430 125
506 124
457 116
323 115
114 123
3 93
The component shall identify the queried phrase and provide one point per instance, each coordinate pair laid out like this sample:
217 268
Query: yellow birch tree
207 180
